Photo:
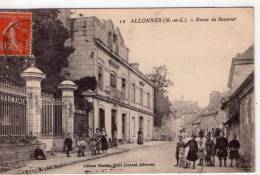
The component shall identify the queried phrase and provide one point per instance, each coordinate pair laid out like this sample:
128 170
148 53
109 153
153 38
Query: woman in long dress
140 137
193 150
104 144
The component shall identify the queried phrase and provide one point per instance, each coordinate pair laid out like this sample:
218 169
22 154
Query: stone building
245 97
240 106
241 67
185 111
210 117
123 101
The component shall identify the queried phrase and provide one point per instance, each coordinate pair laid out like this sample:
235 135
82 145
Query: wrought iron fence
12 109
51 120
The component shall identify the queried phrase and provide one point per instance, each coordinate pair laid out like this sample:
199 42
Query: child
93 146
180 145
201 153
182 159
82 147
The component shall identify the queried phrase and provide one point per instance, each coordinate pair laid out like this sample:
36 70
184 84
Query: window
84 27
100 77
148 100
110 40
123 86
141 97
133 93
113 80
115 40
133 127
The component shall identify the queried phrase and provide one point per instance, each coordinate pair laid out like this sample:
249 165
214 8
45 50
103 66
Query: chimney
135 65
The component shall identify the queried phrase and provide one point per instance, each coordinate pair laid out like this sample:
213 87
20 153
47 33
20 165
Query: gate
12 110
51 116
81 124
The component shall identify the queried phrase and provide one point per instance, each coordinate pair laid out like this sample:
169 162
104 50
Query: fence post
33 77
68 87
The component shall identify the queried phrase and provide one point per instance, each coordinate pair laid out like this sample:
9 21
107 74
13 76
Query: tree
159 78
162 104
49 36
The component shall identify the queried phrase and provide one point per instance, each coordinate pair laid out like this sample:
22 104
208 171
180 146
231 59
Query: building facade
185 111
241 67
240 106
123 102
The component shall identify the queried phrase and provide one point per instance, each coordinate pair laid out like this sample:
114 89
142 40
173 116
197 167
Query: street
155 159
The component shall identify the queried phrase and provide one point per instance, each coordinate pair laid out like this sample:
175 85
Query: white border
18 4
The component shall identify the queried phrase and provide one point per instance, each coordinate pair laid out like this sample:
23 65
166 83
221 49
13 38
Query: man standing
234 145
221 149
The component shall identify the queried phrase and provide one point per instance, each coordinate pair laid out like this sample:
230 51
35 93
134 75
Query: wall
241 72
247 128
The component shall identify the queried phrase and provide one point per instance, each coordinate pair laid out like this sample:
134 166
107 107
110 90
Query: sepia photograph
127 90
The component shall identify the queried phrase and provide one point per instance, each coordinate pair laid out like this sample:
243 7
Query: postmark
15 33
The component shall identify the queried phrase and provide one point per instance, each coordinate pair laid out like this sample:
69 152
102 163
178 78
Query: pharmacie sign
10 98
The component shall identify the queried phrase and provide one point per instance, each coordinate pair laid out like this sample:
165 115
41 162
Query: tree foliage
49 36
159 78
84 84
162 104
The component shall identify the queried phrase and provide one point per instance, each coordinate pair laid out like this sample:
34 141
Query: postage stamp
15 33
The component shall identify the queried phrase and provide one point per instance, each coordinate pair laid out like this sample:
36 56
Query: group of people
215 132
206 152
100 140
98 143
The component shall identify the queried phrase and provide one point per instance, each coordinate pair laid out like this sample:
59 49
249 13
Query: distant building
211 117
123 102
185 111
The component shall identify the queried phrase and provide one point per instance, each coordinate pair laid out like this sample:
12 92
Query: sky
197 54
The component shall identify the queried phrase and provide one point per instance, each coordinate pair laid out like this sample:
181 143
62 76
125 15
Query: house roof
247 57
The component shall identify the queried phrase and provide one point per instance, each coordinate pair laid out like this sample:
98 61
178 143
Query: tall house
242 65
123 102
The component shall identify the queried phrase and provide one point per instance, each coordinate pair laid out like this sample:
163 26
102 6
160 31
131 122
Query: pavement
61 160
159 158
152 157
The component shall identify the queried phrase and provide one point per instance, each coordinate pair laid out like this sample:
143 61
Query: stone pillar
92 114
33 78
68 87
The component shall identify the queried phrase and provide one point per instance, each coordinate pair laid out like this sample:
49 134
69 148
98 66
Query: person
68 144
93 146
39 154
217 133
234 146
201 153
98 140
209 134
140 137
209 146
201 133
82 145
193 150
104 144
213 155
180 144
221 149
